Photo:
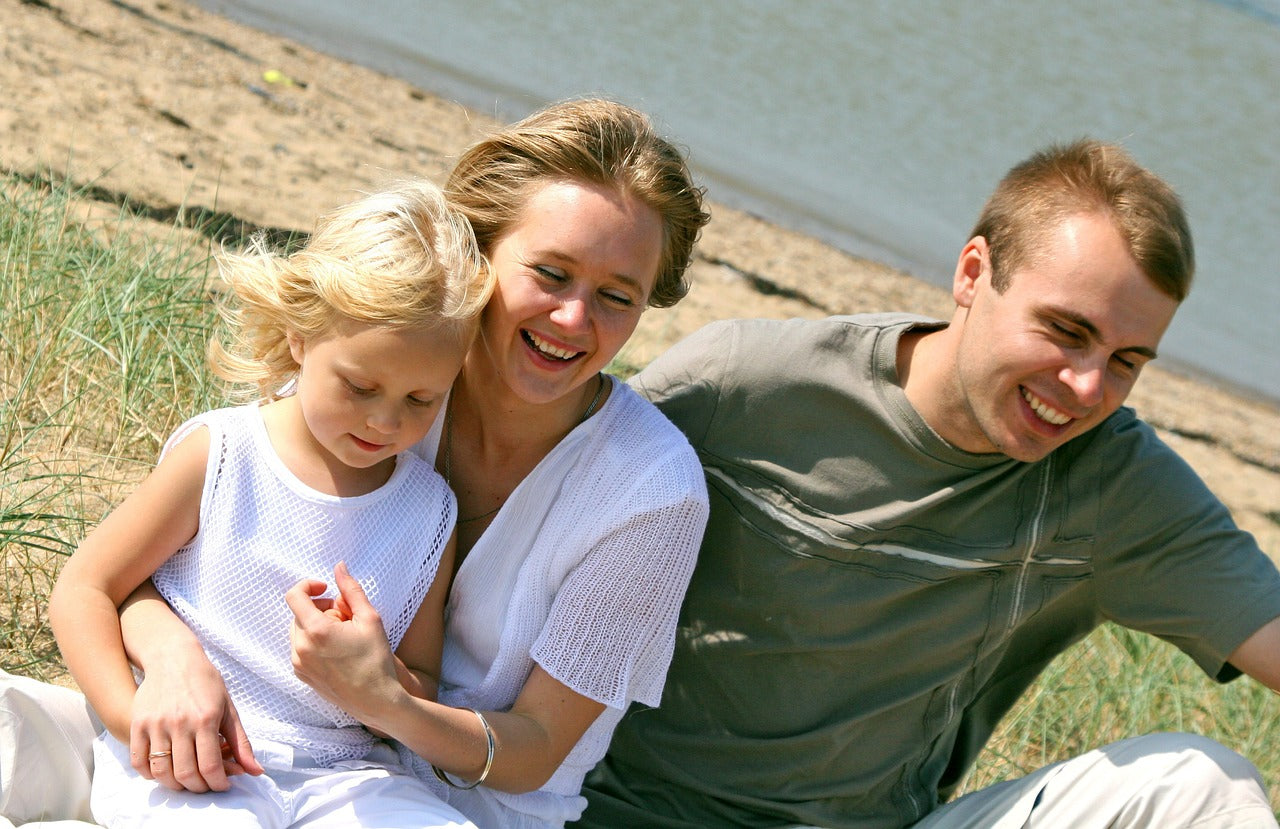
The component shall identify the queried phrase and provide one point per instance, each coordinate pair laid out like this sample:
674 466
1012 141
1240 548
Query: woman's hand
182 705
340 648
185 710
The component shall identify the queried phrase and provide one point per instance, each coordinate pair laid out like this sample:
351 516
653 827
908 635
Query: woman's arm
182 702
350 664
420 650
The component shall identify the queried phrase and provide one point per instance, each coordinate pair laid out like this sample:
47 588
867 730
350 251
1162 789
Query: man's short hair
1088 177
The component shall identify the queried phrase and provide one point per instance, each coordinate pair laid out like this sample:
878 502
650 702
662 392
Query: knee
1192 758
1203 782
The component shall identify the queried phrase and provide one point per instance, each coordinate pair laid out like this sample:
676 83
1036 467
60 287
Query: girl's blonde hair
397 258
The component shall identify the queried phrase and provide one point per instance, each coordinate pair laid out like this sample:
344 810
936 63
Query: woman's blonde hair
593 141
401 257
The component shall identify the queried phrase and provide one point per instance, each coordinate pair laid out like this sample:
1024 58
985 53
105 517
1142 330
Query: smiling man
911 518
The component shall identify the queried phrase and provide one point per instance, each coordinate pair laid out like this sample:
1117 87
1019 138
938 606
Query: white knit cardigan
582 572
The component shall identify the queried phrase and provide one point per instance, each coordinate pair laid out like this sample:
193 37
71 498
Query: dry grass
102 356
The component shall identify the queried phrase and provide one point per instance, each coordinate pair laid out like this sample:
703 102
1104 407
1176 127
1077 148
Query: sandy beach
171 110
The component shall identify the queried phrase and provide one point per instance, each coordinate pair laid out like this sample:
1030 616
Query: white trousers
373 793
1160 780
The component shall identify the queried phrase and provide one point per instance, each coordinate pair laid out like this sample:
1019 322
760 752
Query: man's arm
1259 656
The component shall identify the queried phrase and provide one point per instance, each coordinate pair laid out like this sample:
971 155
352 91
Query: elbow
530 781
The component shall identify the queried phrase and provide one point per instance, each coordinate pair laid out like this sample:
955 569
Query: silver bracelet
488 760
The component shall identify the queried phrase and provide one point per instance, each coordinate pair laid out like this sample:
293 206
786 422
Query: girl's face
368 392
573 276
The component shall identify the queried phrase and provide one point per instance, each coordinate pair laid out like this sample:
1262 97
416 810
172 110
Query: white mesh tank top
262 530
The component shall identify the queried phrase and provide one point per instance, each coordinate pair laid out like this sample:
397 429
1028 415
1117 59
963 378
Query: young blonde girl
352 344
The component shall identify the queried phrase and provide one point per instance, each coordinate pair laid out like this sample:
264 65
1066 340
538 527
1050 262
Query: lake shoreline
173 109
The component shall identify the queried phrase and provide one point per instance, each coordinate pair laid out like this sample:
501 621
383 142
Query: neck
926 363
502 419
492 441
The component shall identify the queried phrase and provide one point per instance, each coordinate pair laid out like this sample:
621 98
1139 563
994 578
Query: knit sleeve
611 630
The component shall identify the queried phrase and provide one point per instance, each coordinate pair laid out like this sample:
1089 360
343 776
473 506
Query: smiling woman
573 277
582 506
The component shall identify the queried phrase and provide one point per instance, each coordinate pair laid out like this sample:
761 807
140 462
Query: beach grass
1118 683
102 355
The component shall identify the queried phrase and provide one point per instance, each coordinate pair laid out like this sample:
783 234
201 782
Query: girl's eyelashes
364 391
1126 367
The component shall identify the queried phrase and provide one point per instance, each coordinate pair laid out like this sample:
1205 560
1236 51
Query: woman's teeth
547 349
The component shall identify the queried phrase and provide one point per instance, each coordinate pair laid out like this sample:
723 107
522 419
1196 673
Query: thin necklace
448 445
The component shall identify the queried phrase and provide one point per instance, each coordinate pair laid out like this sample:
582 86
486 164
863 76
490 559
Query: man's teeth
549 350
1046 412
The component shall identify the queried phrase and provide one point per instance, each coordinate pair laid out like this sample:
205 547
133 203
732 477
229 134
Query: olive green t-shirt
869 600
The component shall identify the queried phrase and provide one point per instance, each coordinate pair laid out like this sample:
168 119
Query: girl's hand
185 710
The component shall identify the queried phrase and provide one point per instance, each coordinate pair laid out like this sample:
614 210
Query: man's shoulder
1124 427
1126 453
766 326
784 339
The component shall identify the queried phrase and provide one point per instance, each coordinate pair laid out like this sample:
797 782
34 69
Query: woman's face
573 276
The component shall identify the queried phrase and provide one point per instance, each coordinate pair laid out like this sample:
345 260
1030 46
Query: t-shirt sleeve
686 381
1177 566
611 630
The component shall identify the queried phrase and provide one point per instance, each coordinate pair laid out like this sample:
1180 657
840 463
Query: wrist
388 708
175 649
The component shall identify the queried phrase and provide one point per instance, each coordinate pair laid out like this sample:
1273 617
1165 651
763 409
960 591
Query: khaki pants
1160 780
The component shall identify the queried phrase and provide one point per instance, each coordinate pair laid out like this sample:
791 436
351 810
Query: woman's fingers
234 745
183 765
176 737
139 749
303 600
341 652
160 768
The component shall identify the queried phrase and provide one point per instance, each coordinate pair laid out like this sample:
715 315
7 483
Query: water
882 126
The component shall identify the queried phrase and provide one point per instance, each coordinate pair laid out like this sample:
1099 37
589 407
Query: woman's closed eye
618 298
551 274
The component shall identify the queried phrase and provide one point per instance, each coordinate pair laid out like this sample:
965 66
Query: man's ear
974 264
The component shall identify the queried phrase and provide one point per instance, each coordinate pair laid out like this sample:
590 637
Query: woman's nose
572 314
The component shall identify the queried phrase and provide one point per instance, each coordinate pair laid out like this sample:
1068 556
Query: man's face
1059 350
